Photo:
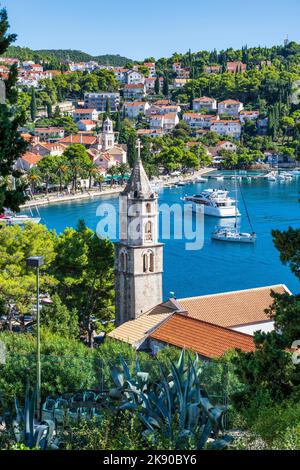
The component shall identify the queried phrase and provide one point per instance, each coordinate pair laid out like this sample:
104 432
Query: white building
199 121
230 107
98 101
151 67
85 114
133 108
134 91
251 115
200 104
133 77
226 127
86 125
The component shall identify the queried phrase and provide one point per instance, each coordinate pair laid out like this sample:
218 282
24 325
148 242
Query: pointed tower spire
138 185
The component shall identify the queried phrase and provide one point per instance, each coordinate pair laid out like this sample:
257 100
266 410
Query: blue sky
139 29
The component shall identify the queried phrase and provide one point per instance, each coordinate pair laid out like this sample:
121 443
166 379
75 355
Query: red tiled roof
79 139
204 99
31 158
84 111
206 339
230 102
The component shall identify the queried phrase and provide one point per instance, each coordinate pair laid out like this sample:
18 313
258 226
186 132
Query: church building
105 152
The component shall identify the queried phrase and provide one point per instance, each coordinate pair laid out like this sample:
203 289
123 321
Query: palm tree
34 178
100 179
93 170
112 171
62 169
122 169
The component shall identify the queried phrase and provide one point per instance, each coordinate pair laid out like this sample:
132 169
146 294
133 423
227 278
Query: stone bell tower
138 254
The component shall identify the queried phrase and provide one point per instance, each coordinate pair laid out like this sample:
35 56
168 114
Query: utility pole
37 262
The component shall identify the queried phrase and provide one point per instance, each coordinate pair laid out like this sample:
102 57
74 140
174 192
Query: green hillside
59 55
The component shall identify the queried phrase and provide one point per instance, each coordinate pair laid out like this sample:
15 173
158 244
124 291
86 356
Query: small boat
181 183
272 176
200 180
230 235
218 177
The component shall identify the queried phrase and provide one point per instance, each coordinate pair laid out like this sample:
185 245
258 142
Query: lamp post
37 262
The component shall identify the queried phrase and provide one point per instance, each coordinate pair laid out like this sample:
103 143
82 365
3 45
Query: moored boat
214 202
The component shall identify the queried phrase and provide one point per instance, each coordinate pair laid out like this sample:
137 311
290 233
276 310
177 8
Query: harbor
223 266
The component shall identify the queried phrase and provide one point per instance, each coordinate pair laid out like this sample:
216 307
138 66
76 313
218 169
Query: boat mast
236 201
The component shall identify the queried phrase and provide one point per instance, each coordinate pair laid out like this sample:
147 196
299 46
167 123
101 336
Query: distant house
133 108
45 148
200 104
86 114
262 126
199 121
227 128
149 132
176 66
251 115
120 74
226 145
133 77
151 68
27 161
237 66
86 125
98 101
183 73
157 121
49 133
134 91
169 108
212 69
179 82
164 121
230 107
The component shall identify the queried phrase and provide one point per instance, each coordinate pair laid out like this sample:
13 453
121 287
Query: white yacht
14 219
214 202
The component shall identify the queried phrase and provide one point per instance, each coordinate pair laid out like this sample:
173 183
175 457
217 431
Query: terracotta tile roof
88 122
27 137
84 111
161 102
204 99
230 102
31 158
133 86
204 338
79 139
135 331
43 130
231 309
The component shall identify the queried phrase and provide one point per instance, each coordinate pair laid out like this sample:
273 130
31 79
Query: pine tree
33 105
118 122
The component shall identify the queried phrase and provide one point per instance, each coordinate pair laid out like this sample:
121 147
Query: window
124 261
148 262
148 231
148 208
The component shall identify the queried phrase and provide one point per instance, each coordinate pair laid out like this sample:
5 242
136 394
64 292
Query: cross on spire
139 147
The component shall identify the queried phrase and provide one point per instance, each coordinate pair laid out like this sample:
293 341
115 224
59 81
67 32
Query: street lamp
37 262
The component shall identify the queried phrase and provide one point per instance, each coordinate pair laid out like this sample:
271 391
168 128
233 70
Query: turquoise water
217 267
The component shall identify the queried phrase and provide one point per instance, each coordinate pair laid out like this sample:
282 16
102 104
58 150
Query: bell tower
108 137
138 254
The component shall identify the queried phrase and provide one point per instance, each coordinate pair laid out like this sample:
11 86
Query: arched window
148 208
148 231
148 262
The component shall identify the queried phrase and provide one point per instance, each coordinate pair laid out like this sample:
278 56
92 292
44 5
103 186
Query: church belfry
138 254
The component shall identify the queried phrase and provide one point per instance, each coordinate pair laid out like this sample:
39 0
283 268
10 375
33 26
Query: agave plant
176 401
23 428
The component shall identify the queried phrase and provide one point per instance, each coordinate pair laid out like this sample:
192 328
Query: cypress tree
107 107
166 87
131 149
49 110
157 86
33 105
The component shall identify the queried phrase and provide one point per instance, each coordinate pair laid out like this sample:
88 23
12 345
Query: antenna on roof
172 295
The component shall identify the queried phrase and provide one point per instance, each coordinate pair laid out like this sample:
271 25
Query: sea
215 266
